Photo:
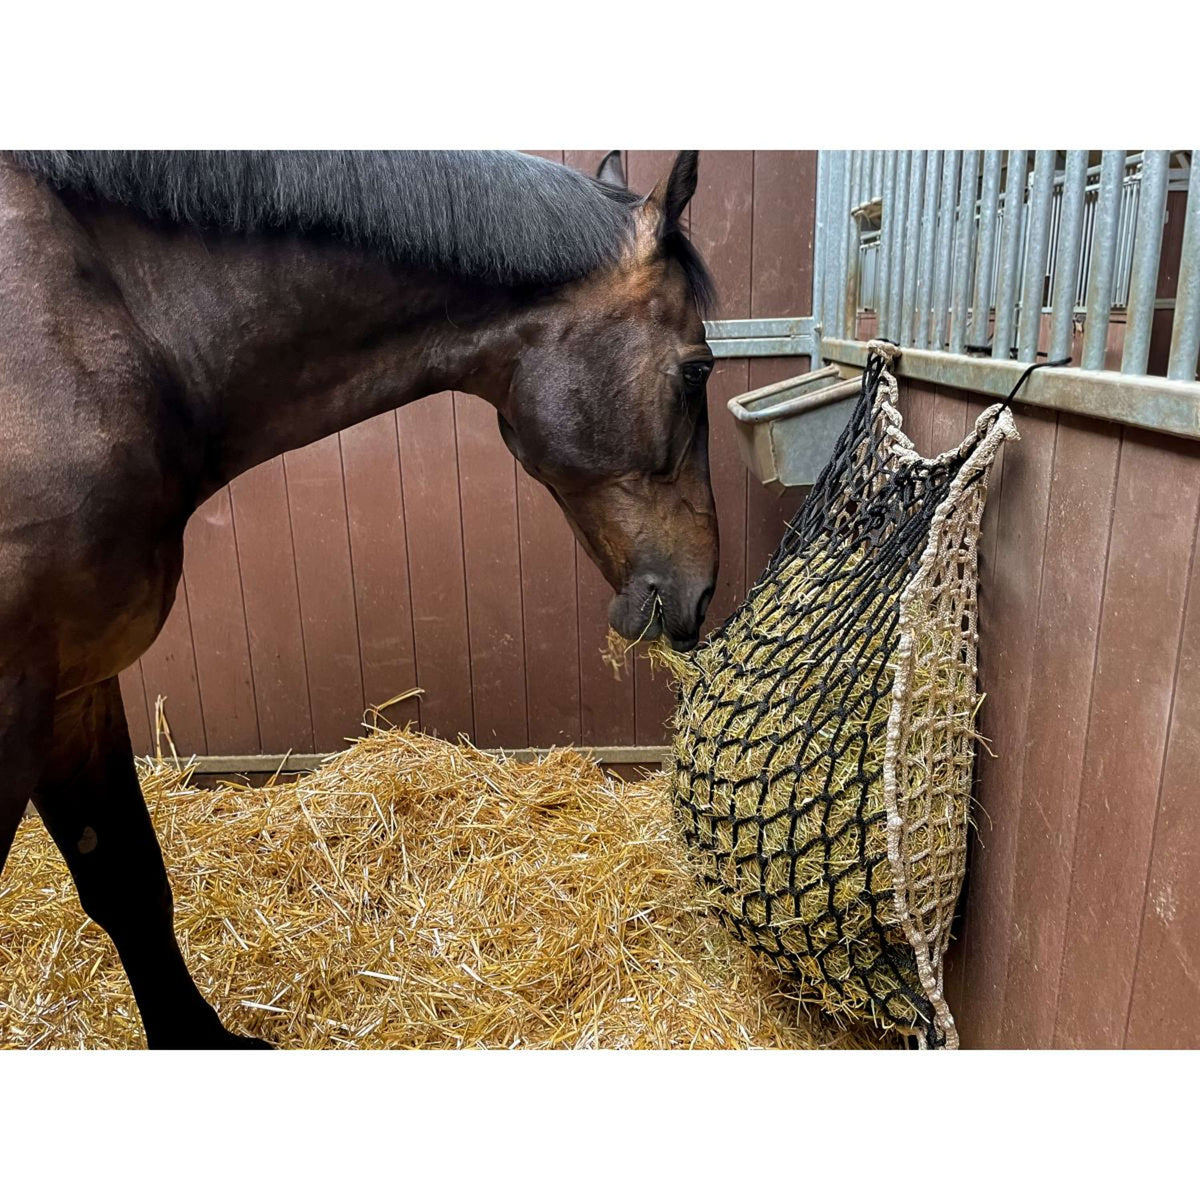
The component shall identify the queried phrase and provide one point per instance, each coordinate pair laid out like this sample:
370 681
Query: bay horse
169 320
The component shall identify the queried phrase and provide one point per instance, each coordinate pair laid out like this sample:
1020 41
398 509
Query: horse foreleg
26 704
92 805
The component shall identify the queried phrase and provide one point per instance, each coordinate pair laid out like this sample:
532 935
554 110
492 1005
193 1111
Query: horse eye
695 373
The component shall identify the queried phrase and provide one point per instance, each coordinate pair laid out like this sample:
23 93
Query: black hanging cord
1029 370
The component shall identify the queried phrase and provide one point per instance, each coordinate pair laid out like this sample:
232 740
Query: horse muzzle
651 605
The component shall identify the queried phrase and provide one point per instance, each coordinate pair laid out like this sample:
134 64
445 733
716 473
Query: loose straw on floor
411 893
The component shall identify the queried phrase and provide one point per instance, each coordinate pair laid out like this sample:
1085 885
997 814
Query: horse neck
277 342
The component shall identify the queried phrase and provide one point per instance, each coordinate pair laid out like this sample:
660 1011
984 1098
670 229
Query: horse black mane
496 215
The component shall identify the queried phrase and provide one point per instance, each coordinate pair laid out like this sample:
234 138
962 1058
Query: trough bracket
763 337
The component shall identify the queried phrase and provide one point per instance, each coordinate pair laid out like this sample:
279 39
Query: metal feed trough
787 430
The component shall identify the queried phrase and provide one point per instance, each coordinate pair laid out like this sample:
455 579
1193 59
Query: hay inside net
411 893
825 735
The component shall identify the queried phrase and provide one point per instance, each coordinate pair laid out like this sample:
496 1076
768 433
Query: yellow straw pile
412 893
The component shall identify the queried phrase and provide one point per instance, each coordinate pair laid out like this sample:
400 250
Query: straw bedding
412 893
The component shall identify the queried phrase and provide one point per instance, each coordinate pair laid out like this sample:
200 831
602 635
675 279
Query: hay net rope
825 734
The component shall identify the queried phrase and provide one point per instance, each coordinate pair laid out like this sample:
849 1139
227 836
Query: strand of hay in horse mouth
411 893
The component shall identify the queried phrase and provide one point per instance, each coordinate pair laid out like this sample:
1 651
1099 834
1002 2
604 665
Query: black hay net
782 728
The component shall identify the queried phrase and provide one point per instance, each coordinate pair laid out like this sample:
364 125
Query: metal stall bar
941 294
1147 247
1131 189
1036 254
846 221
896 279
933 167
912 244
1147 401
1104 258
1185 330
1010 253
986 258
965 229
887 225
1066 267
833 239
887 228
819 238
876 174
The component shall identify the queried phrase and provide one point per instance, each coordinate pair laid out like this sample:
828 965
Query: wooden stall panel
1165 1010
1064 650
433 520
169 671
133 696
492 557
271 596
1008 614
379 562
219 637
606 713
1149 560
548 596
321 538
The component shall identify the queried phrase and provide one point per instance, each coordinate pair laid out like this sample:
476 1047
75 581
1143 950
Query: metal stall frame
971 240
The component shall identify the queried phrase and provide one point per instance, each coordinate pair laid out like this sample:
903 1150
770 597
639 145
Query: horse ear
671 195
610 169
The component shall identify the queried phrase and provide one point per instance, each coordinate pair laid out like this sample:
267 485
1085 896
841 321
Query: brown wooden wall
411 551
1081 926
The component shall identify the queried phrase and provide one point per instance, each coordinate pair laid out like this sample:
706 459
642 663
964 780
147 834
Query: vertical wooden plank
379 558
1006 676
948 421
267 561
169 670
1078 521
1158 487
433 521
133 696
321 536
785 188
1165 1009
917 403
606 711
606 706
492 561
548 592
1064 647
219 629
721 224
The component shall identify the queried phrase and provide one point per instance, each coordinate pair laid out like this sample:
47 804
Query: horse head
607 408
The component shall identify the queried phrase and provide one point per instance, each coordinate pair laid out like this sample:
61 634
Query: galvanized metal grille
1004 254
